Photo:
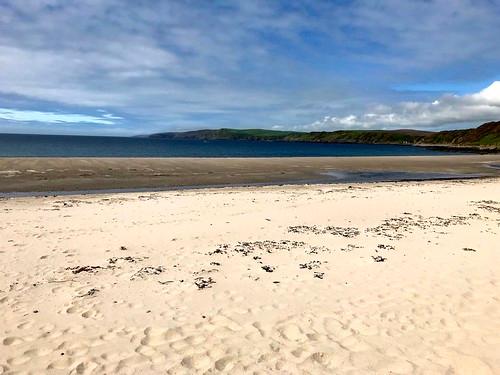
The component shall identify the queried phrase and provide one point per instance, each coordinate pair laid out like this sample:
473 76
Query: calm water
381 176
75 146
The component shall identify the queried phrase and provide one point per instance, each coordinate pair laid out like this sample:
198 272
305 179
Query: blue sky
127 67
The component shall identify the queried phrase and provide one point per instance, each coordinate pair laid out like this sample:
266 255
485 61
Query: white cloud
56 118
448 109
490 95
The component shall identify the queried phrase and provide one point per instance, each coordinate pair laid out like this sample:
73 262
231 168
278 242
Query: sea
24 145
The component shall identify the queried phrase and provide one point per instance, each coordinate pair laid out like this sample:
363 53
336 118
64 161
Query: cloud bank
448 109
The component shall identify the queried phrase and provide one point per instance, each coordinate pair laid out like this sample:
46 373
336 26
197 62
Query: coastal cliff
484 137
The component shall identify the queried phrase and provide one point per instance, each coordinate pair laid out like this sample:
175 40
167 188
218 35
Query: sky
131 67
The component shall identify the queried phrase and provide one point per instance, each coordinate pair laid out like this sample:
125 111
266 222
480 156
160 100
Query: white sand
430 308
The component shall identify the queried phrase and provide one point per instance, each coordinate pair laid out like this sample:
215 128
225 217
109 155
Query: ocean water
381 176
15 145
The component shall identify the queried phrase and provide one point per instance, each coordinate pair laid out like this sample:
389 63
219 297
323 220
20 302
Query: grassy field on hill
486 136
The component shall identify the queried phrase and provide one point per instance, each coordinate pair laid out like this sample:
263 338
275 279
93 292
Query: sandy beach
81 174
382 278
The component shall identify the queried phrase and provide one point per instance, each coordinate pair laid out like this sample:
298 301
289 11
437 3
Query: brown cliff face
486 135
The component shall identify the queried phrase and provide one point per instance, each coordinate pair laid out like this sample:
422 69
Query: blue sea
16 145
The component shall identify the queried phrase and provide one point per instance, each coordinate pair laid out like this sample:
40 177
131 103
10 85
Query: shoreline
45 175
201 188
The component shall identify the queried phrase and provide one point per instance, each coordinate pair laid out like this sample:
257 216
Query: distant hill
486 136
233 134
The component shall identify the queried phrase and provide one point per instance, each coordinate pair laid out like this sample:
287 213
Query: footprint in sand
12 341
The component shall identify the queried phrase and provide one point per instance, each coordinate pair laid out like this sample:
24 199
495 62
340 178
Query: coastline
114 174
342 278
201 188
460 148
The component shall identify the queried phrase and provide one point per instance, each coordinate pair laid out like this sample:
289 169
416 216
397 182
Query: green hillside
486 136
234 134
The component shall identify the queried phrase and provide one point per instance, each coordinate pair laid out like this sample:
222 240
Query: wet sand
82 174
